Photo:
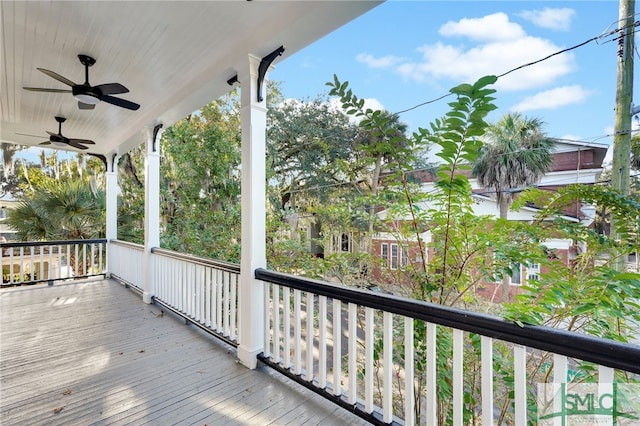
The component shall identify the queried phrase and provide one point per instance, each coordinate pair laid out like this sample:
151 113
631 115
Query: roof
174 57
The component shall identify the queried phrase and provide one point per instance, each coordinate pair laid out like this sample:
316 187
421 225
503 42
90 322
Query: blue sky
403 53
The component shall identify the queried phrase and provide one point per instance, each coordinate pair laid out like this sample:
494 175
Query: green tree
59 210
200 203
8 153
199 183
309 145
516 154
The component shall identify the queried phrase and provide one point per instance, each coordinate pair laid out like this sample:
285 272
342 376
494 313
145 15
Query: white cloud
447 61
488 28
381 62
553 19
498 46
553 99
373 103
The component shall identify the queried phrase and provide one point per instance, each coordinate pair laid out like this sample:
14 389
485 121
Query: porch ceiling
174 57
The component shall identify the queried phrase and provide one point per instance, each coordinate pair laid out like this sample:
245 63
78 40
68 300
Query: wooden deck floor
92 353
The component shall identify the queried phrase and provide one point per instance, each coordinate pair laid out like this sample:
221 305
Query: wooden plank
101 356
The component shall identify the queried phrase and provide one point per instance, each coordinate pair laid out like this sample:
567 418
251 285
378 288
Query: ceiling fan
87 95
60 140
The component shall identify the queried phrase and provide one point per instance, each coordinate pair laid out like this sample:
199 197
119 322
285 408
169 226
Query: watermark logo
568 404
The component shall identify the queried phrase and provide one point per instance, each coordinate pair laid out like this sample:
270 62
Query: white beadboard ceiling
173 56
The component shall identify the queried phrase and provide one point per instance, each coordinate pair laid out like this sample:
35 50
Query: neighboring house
6 203
573 162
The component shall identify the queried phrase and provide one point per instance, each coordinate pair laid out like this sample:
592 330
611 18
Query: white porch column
151 211
111 176
253 119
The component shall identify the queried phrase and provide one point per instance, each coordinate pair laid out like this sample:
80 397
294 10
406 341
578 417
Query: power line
601 36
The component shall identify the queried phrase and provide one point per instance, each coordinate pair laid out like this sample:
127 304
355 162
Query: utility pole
622 125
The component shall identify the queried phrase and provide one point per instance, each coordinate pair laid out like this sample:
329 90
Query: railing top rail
52 243
127 244
227 266
589 348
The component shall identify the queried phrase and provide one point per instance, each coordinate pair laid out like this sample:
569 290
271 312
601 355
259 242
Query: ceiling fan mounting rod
87 61
60 120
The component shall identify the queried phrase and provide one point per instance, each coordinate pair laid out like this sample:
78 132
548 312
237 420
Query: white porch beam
151 210
253 119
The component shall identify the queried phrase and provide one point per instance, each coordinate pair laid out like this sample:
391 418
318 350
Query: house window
533 271
516 274
404 260
394 256
384 254
345 242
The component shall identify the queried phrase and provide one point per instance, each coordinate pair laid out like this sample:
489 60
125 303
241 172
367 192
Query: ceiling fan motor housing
86 94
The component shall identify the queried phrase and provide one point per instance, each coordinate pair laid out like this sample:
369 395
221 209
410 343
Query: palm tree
516 154
60 210
65 210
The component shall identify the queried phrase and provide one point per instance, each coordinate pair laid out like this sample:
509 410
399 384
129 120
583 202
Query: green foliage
200 202
465 251
587 295
310 150
59 210
199 186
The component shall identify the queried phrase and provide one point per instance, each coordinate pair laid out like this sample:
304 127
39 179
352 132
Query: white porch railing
125 262
203 291
46 261
391 359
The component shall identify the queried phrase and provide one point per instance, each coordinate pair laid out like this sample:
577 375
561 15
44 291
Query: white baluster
267 319
337 347
387 382
286 333
520 384
322 343
297 336
310 336
353 353
368 354
233 305
486 387
276 322
409 403
432 391
458 376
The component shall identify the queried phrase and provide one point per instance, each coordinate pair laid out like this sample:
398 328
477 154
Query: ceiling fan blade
76 145
57 76
51 133
121 102
27 134
45 143
82 105
112 88
42 89
82 141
